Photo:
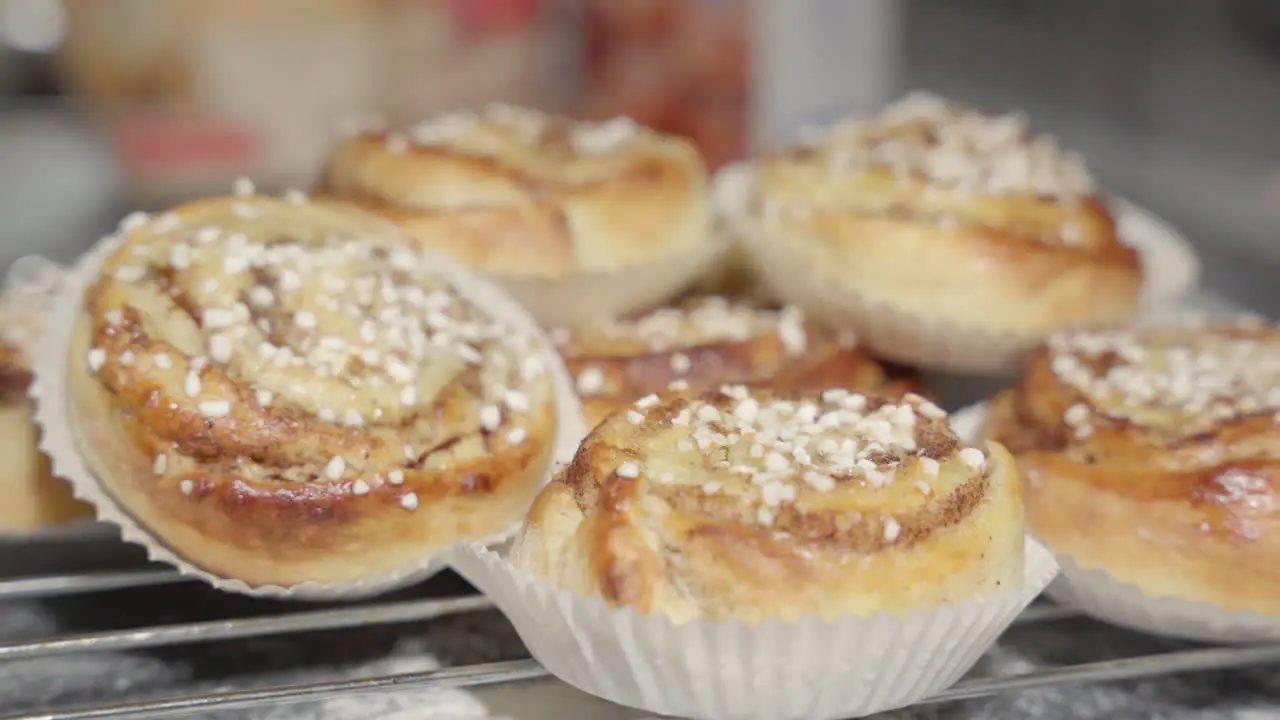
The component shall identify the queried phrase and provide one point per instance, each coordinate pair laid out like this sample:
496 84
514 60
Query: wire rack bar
461 677
518 670
80 583
309 621
1171 663
297 622
469 676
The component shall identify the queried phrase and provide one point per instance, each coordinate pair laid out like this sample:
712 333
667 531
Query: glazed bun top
290 341
518 192
928 156
750 504
1173 382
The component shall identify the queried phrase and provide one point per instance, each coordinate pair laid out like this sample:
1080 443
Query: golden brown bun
706 342
518 193
281 393
752 505
1156 457
33 498
951 216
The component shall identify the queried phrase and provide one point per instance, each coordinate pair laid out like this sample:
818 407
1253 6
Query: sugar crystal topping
528 126
307 321
706 320
954 146
1174 379
774 449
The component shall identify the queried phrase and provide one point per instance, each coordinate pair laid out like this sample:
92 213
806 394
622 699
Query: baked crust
1155 456
706 342
952 216
714 508
33 498
519 193
282 393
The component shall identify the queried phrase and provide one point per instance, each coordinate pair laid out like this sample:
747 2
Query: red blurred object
680 66
487 17
145 143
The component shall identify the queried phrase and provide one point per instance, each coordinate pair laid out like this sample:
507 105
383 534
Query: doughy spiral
948 215
709 341
752 504
519 193
1155 456
282 393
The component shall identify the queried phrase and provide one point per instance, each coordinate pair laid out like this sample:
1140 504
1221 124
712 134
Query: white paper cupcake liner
1170 271
58 439
591 297
967 422
810 669
1101 595
1170 266
904 337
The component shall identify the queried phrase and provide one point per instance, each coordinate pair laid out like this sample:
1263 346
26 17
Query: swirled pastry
282 393
515 192
751 505
33 498
1156 456
945 215
709 341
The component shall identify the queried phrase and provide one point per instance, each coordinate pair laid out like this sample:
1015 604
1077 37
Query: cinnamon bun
1155 456
524 196
281 393
34 498
933 227
741 504
705 342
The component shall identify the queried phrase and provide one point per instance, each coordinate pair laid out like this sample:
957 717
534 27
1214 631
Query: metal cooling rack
473 676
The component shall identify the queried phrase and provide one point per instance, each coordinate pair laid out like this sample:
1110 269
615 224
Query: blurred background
110 105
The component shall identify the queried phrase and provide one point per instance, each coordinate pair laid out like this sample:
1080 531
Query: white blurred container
61 184
196 92
817 60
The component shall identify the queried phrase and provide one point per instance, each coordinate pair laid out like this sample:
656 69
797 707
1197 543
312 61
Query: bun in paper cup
807 669
209 388
580 221
1149 472
939 254
675 568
